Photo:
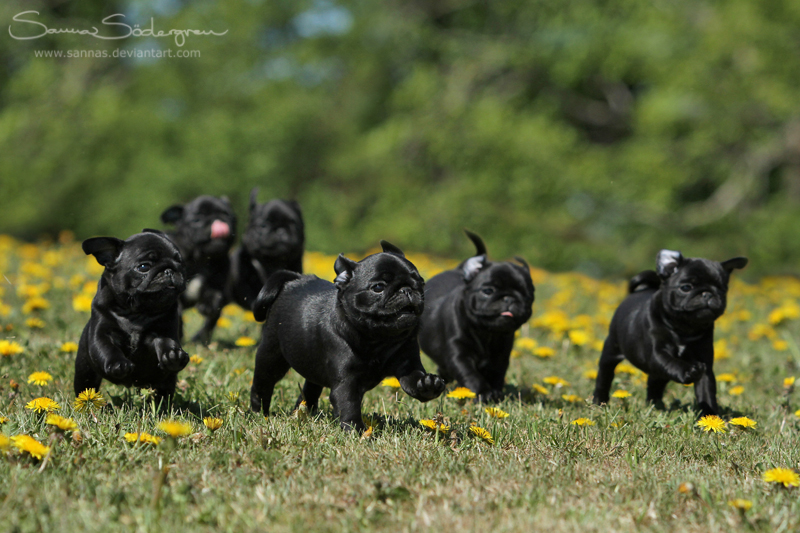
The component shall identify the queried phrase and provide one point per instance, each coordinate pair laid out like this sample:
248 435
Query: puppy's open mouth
407 310
509 314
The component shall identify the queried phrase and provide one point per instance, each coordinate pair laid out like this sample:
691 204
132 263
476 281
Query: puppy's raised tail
272 288
644 281
477 241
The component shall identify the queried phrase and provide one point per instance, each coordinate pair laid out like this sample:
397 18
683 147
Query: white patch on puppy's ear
667 262
472 266
344 268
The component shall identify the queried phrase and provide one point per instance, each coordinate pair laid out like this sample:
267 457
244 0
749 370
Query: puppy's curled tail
644 281
477 241
272 288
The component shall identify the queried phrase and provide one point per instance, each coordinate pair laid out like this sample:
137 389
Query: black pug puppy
665 327
274 240
471 314
205 230
347 335
132 337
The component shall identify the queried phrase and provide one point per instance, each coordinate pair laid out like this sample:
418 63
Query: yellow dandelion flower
5 443
742 505
212 423
41 405
541 390
495 412
64 424
9 348
233 396
625 368
582 422
82 303
726 378
144 438
721 350
196 359
786 476
28 444
35 323
571 398
245 341
788 383
40 378
69 347
391 382
760 331
224 322
712 423
461 393
482 434
526 344
621 394
579 337
736 391
175 428
598 346
686 488
590 374
556 381
3 420
743 421
35 304
434 426
544 352
89 399
780 345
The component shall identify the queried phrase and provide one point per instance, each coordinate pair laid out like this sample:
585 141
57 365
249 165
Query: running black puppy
665 327
205 230
347 335
132 337
273 241
470 317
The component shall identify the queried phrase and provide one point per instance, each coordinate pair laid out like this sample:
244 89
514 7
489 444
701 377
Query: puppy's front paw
694 372
170 355
118 369
428 387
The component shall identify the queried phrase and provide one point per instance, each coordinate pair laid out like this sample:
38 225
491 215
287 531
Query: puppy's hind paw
694 372
428 387
490 396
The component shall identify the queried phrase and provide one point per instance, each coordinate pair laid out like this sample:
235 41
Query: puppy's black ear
344 268
253 199
480 248
172 214
667 262
156 231
732 264
522 262
390 248
104 249
472 266
296 207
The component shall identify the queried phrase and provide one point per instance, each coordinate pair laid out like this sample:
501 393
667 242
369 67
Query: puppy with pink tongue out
205 230
471 314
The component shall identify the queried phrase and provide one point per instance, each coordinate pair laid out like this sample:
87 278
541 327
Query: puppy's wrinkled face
145 273
497 296
383 293
207 223
275 229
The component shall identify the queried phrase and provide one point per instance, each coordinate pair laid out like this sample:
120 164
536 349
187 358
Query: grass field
629 468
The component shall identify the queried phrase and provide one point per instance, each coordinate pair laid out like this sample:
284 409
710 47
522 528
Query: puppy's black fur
273 241
665 327
132 337
471 314
205 230
347 335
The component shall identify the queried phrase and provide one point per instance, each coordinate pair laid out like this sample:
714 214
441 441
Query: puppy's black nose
406 291
707 295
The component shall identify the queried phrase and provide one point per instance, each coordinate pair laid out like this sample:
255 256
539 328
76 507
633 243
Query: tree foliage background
582 134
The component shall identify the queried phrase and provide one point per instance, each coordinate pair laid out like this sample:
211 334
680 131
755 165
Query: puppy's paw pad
430 386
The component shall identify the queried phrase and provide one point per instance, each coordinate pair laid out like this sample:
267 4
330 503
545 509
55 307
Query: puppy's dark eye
379 287
487 291
144 267
686 288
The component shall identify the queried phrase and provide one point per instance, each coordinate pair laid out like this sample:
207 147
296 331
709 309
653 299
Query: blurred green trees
578 134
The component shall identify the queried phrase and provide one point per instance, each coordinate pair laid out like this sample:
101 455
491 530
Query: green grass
289 474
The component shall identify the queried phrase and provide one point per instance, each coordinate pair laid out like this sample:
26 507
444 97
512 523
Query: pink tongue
219 229
507 313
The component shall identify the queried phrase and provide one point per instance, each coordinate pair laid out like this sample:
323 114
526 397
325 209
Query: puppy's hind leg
311 393
85 376
346 401
609 360
271 366
655 390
